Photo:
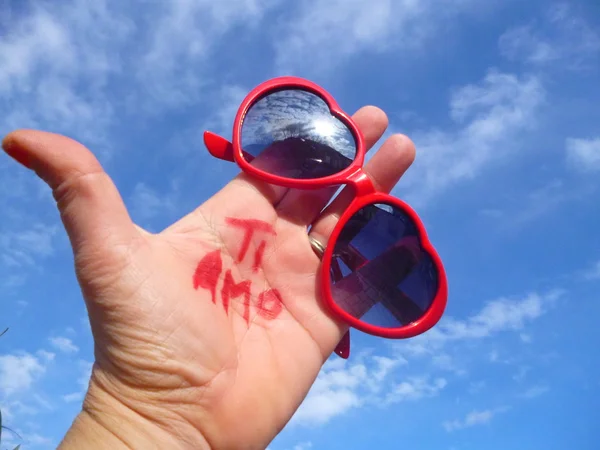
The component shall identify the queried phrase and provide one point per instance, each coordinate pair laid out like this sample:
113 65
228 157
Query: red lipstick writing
210 268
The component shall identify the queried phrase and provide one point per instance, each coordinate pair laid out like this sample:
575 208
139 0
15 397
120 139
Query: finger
385 168
301 206
90 205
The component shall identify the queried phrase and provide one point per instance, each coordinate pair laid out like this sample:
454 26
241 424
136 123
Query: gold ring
317 247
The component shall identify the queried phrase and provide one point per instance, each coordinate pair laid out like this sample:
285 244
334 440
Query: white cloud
476 386
537 203
583 154
416 389
498 315
183 34
493 357
24 409
42 401
50 51
64 344
77 66
333 393
23 247
300 446
326 32
36 439
490 117
18 416
503 314
34 40
523 43
73 397
526 208
229 100
385 366
535 391
352 24
28 439
14 281
593 273
446 362
526 338
521 374
341 387
303 446
46 355
472 419
562 38
147 204
18 372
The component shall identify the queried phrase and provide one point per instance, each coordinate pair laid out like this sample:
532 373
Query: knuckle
79 184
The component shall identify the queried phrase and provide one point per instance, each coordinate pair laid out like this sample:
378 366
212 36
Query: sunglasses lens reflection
291 133
380 274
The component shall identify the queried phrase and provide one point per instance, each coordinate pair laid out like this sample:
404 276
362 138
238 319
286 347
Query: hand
210 333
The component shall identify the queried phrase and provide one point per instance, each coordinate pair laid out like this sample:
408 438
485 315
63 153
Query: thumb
91 208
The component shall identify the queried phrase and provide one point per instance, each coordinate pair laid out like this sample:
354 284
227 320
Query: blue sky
501 99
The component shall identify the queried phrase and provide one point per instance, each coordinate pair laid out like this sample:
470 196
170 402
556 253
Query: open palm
211 331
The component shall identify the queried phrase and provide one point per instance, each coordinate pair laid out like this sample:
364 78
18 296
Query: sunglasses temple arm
221 148
218 146
343 347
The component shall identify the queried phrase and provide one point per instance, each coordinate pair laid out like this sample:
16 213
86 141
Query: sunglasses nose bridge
361 183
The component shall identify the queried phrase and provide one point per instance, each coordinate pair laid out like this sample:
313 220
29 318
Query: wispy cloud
446 362
498 315
535 391
18 372
525 338
561 38
303 446
476 387
48 53
126 66
30 440
184 33
521 373
473 418
503 314
356 26
64 344
46 355
146 203
490 117
228 100
583 154
528 207
353 24
23 247
333 393
341 387
415 389
593 273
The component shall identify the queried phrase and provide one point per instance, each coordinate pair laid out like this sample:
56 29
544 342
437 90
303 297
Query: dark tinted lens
291 133
380 273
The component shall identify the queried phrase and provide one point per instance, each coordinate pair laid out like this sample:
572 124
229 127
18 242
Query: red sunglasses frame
365 193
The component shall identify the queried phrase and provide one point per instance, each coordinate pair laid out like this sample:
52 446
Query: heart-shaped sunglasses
379 272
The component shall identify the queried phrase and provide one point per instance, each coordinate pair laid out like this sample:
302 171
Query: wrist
108 422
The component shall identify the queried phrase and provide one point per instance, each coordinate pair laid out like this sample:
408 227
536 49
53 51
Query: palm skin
166 355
